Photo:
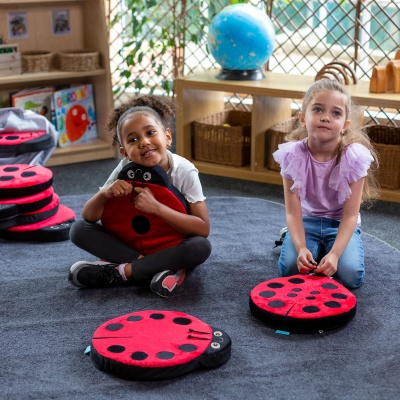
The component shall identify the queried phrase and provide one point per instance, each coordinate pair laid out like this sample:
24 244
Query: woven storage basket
78 60
386 140
274 137
229 145
36 61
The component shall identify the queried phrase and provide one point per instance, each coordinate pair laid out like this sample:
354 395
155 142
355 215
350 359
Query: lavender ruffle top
322 187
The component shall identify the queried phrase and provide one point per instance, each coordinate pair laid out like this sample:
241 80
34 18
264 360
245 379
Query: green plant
153 37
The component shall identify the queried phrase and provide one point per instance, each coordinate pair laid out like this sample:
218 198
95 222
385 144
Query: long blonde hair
353 134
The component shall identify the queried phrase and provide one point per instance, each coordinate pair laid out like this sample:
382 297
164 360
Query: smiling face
325 118
144 140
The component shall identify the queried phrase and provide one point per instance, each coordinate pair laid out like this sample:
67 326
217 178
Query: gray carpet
46 324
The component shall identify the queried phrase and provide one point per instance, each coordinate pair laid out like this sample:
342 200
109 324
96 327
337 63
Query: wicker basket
79 60
274 137
36 61
229 144
386 140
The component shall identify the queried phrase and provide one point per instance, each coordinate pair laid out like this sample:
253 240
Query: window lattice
152 43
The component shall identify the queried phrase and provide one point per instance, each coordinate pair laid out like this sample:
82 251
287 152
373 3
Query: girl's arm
94 207
348 222
196 223
294 220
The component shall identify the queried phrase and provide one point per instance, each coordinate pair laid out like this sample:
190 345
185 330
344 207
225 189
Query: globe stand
240 75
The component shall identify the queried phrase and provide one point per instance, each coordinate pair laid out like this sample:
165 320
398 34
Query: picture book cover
75 115
38 100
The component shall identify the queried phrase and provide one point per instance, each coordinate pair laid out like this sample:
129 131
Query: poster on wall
17 25
60 23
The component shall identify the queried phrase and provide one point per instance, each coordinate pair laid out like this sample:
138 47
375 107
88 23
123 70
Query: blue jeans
320 236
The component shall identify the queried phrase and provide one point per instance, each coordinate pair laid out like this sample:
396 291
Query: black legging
93 238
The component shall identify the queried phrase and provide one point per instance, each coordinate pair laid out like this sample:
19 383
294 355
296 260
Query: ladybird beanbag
24 142
146 233
31 217
154 345
303 303
18 180
53 229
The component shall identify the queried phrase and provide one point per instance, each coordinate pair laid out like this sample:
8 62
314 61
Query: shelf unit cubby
203 94
88 30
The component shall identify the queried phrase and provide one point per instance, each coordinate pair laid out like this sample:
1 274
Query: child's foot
165 282
98 274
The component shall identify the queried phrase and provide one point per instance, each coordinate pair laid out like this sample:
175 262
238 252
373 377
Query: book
39 100
75 115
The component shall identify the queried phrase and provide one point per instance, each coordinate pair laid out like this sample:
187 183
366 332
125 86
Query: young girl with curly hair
141 130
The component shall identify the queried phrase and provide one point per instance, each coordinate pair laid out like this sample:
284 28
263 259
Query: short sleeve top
322 187
182 174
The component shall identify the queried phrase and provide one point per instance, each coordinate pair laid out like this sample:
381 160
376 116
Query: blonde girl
328 171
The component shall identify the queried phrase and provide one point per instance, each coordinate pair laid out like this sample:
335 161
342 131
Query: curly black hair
163 106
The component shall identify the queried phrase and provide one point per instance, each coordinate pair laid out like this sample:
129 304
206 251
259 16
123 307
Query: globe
241 38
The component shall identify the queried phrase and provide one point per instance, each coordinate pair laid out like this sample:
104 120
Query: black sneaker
98 274
165 282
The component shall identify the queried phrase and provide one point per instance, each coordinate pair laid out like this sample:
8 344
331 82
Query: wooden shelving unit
88 31
201 95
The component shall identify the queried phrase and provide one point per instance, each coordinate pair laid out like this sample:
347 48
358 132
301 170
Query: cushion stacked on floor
29 208
26 137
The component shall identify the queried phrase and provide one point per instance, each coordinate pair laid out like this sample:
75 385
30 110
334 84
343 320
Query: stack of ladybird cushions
29 208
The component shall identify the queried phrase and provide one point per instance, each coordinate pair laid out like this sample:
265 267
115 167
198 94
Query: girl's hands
145 200
305 261
117 189
328 265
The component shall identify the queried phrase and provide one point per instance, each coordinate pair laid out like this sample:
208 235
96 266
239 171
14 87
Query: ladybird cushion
154 345
19 180
24 142
10 208
144 232
32 217
53 229
303 303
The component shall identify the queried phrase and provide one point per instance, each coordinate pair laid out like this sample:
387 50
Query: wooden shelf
44 77
96 149
202 95
83 35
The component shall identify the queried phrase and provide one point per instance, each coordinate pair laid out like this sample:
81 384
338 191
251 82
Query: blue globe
241 38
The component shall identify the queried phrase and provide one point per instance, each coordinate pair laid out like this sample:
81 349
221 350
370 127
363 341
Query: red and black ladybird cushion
53 229
303 303
19 180
144 232
24 142
154 345
32 217
10 208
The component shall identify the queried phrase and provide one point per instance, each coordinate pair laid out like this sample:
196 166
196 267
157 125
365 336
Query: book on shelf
39 100
75 115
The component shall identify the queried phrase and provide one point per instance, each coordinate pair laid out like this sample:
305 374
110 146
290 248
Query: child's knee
74 231
352 279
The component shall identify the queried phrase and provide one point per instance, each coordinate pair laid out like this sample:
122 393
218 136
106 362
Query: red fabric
45 194
152 338
118 219
16 138
63 214
18 180
303 296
